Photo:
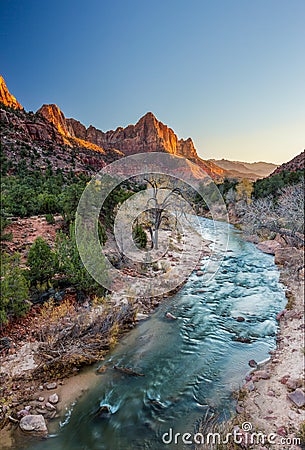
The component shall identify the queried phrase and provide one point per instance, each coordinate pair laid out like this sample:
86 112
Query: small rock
50 386
141 316
22 413
33 423
170 316
239 409
284 379
41 388
252 363
199 273
50 407
53 399
101 369
281 431
297 397
27 408
271 394
240 319
294 384
41 399
262 374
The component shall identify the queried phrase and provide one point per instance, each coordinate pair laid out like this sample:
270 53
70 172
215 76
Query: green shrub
14 289
42 262
50 219
70 263
139 236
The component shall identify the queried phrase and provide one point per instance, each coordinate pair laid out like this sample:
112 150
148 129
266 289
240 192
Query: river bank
272 399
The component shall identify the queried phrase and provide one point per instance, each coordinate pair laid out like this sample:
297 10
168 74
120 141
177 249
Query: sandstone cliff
6 97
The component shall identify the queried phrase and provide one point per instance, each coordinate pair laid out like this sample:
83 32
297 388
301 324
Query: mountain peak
6 97
54 115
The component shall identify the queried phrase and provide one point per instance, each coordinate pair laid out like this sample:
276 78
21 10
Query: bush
139 236
14 289
70 263
42 262
50 219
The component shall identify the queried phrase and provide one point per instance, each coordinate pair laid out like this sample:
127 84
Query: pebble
284 379
239 409
50 407
271 394
168 315
281 431
252 363
50 386
53 399
294 384
240 319
41 399
262 374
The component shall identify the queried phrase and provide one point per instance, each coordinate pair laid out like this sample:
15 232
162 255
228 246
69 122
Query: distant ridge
240 169
296 163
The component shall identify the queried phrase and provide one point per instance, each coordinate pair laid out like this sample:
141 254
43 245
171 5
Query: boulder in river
33 422
252 363
170 316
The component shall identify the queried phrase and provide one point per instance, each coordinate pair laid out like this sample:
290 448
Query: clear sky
228 73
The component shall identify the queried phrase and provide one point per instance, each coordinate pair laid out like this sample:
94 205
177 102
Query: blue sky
228 73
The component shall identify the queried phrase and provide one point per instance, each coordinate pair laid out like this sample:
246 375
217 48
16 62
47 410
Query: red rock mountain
296 163
6 97
147 135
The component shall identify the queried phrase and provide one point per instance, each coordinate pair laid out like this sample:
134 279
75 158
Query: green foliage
50 219
139 236
226 185
42 262
102 233
115 198
71 264
4 222
273 184
14 289
69 200
29 192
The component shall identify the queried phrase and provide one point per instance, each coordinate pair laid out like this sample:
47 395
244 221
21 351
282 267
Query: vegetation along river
191 365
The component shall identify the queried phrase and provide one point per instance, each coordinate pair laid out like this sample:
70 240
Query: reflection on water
191 365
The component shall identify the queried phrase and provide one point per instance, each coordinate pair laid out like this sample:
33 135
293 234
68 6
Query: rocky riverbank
273 398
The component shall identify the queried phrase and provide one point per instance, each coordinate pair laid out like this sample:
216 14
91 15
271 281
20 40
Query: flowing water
191 365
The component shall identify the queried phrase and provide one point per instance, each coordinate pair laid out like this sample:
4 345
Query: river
191 366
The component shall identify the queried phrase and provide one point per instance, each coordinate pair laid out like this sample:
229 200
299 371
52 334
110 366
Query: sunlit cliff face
6 97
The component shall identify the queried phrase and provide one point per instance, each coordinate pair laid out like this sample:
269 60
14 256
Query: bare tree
284 215
165 197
